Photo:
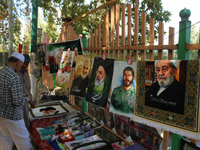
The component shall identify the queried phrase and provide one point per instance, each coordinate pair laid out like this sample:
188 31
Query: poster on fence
100 82
168 92
123 89
82 75
63 74
55 52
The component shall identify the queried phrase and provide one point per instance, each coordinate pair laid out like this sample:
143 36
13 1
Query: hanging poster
82 75
167 92
55 52
123 89
54 59
64 71
100 82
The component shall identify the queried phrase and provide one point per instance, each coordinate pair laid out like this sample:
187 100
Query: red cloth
36 137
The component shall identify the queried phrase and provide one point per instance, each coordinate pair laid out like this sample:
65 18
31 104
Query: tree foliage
154 9
194 39
57 12
21 9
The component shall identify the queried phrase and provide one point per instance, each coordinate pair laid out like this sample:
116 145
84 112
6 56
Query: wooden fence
126 45
121 46
118 39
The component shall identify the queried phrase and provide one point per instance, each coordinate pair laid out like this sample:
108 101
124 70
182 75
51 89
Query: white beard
167 82
98 83
83 76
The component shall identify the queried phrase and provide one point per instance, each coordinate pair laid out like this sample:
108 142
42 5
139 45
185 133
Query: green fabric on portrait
99 89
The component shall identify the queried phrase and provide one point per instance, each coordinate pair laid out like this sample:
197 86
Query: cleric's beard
167 81
98 83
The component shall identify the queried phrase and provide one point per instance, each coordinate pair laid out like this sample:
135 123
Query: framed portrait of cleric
100 82
82 75
167 92
123 89
48 111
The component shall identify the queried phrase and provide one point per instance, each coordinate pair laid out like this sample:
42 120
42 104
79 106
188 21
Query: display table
36 137
100 131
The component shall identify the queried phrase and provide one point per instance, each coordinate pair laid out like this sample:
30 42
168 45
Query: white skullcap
18 56
175 62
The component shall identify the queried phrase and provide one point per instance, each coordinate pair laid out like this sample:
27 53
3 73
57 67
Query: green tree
58 12
194 39
21 9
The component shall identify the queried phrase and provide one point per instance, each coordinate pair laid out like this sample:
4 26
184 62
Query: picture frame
188 120
101 115
106 135
36 113
82 75
123 89
145 135
187 145
100 82
65 68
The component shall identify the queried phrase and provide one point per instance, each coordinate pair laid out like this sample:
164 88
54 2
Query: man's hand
30 97
32 104
30 101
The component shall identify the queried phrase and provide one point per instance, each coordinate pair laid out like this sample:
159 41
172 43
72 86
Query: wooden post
117 29
151 38
199 49
123 32
92 43
184 34
107 31
112 30
160 42
129 30
171 42
165 140
143 52
95 40
136 30
99 38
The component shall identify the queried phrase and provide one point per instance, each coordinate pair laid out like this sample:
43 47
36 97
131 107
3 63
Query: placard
100 82
123 89
175 103
82 75
63 75
55 52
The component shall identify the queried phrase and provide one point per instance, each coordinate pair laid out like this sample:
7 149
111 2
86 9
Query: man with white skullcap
12 126
167 93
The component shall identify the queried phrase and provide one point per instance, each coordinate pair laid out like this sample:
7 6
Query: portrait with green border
162 110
